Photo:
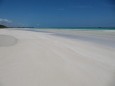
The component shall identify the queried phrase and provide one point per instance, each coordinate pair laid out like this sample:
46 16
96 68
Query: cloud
5 20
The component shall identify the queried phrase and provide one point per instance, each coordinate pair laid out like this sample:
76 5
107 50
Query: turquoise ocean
80 28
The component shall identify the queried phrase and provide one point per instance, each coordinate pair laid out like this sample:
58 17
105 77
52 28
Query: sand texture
41 59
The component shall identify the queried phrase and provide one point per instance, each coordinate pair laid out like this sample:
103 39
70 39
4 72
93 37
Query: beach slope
40 59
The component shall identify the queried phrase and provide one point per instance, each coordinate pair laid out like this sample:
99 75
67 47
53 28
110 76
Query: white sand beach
44 59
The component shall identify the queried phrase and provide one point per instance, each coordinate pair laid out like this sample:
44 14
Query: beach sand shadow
7 40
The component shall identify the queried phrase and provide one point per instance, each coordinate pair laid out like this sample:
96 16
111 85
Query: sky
58 13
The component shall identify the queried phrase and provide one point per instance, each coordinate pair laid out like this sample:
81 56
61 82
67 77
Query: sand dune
42 59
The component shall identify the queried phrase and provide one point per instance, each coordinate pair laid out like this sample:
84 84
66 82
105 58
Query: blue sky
58 13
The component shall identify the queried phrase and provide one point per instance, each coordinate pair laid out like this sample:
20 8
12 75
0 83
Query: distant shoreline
80 28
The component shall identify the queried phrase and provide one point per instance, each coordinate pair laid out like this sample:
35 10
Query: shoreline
106 37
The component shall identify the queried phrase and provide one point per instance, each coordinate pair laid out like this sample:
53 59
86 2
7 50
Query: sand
6 40
41 59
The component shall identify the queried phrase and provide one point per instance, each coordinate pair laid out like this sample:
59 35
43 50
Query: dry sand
40 59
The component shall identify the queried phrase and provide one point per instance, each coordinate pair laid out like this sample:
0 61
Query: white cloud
2 20
6 22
